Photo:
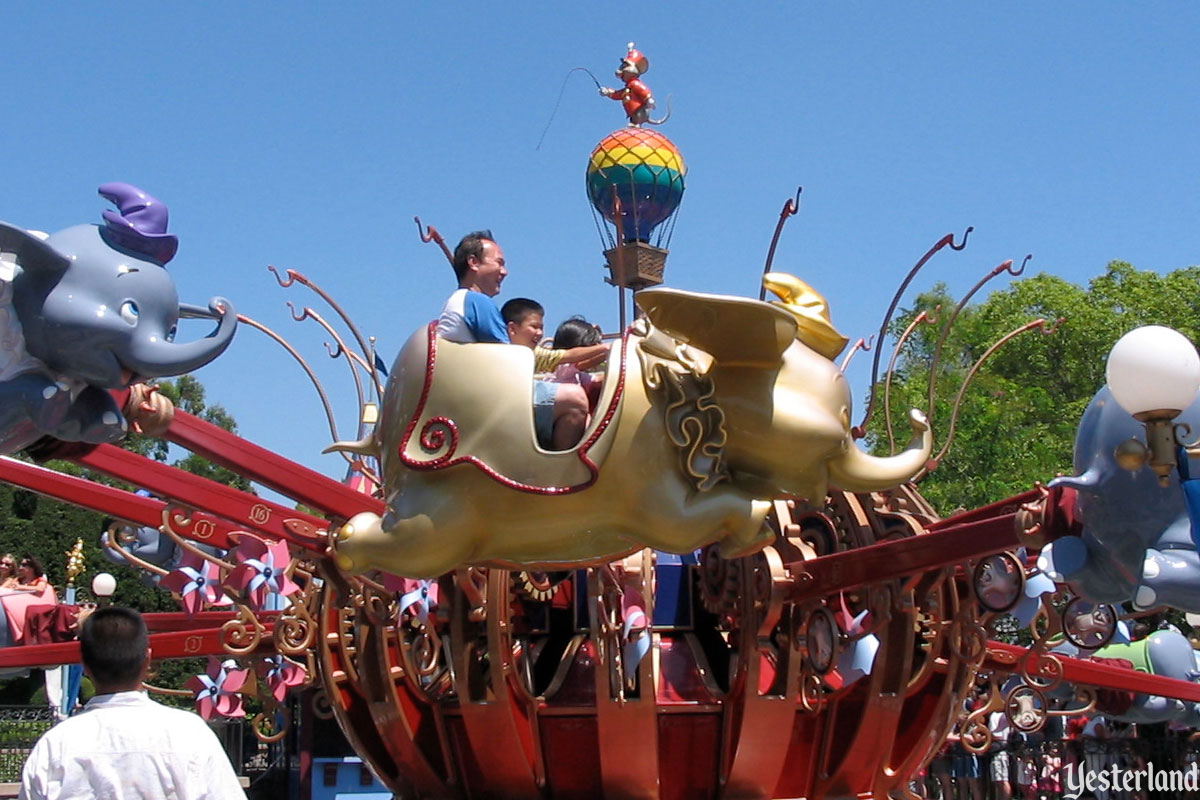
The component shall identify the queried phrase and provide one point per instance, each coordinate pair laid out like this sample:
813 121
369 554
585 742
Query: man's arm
483 319
33 775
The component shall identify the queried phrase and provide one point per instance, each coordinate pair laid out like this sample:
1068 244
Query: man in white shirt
123 744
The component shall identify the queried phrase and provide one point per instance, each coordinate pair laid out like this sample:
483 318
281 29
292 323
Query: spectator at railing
32 589
8 571
31 576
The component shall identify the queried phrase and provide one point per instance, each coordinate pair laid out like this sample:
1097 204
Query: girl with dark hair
572 333
576 332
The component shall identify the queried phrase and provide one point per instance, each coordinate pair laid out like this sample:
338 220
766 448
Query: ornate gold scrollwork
296 627
378 609
694 422
321 707
720 583
812 693
604 595
975 736
472 581
271 725
967 639
1046 673
242 634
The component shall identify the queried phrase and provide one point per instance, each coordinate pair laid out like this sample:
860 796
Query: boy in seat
560 410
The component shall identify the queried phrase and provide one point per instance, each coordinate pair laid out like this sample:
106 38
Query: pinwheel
1036 585
421 595
197 581
261 569
217 690
636 630
858 659
281 675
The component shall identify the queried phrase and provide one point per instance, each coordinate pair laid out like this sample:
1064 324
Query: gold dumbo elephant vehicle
711 407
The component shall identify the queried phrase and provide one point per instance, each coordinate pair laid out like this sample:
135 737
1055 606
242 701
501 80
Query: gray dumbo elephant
1137 539
88 309
1167 653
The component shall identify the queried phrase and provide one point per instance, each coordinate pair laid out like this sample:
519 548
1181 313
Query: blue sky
308 135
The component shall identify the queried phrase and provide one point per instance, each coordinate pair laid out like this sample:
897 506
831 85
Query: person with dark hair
525 320
560 407
123 744
31 576
576 332
470 315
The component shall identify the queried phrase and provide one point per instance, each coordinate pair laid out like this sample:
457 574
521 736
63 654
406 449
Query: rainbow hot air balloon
643 171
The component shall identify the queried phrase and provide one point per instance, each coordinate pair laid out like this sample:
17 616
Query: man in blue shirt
470 315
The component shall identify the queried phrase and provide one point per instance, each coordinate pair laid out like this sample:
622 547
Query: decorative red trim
435 432
433 438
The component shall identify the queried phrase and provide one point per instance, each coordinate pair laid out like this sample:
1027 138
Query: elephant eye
129 312
171 333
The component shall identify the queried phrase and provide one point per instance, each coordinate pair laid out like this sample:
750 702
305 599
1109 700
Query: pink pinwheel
197 581
281 675
262 569
858 659
418 597
636 630
217 690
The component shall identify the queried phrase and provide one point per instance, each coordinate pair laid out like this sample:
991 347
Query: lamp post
1154 374
103 586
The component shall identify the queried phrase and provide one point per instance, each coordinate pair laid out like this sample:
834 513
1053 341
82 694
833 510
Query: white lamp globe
103 585
1153 368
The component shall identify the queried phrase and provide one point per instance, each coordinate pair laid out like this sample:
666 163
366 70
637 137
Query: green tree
1016 424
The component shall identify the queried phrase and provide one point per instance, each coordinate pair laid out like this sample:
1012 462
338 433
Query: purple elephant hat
140 223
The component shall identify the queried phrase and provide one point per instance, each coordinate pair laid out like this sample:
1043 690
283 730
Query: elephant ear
733 330
28 251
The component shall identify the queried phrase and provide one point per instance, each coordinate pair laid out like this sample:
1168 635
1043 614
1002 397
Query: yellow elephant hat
810 310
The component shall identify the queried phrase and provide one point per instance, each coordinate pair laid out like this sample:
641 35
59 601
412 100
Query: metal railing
22 726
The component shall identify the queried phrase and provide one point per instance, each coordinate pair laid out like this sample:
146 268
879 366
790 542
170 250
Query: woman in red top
31 577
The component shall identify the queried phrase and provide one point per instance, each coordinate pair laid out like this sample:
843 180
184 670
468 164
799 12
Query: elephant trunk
160 358
856 471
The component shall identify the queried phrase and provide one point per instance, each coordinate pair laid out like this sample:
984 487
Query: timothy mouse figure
635 95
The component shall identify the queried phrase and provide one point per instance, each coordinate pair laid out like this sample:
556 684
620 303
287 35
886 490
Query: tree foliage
1017 421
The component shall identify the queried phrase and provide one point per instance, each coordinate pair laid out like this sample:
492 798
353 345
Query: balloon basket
635 265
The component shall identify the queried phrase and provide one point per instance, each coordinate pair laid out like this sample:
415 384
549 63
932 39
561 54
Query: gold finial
75 562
